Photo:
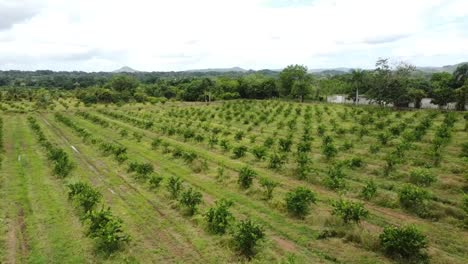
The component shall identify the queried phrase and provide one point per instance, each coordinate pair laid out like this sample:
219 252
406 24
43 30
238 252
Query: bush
464 151
329 150
239 151
414 198
303 165
143 170
259 152
403 242
174 186
335 179
246 176
276 161
369 191
156 143
355 162
349 211
107 229
246 237
155 181
269 186
86 196
298 201
219 217
422 177
285 144
191 199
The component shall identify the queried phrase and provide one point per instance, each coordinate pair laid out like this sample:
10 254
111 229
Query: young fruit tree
299 200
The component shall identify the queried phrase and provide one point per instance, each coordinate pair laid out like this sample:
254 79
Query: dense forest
398 85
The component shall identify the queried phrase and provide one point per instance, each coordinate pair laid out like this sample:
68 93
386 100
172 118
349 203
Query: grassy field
336 151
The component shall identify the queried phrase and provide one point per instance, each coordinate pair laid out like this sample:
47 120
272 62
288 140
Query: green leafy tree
403 242
349 211
246 236
299 200
289 75
269 186
107 229
246 176
191 199
85 195
174 186
219 217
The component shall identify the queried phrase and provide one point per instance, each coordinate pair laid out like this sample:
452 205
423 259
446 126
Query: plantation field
321 182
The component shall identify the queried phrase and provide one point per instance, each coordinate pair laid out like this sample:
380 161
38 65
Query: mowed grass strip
41 225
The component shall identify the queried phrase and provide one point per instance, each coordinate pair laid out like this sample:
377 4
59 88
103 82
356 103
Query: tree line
399 85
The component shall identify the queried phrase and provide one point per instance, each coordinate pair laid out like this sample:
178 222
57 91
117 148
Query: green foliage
403 242
336 178
85 195
191 199
422 177
276 161
246 176
259 152
299 200
246 236
174 186
143 170
369 191
107 229
269 186
414 198
349 211
329 150
155 181
239 151
219 217
464 151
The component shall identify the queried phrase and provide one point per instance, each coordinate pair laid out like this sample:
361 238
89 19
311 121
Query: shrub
276 161
349 211
107 229
464 151
246 237
155 181
335 179
269 186
219 217
239 151
414 198
329 150
156 143
85 195
246 176
355 162
123 132
191 199
285 144
403 242
465 203
298 201
269 142
239 135
369 191
259 152
143 170
174 186
303 165
422 177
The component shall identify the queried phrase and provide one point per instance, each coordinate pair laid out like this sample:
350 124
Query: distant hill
233 69
125 69
446 68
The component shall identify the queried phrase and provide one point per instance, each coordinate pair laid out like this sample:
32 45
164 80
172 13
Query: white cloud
177 35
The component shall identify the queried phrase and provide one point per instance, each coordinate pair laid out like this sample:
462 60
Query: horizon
270 34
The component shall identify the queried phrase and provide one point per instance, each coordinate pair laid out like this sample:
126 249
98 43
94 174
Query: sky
104 35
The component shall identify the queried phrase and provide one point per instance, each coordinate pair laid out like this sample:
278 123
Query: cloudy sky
103 35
